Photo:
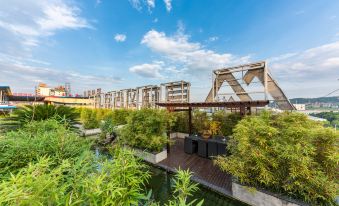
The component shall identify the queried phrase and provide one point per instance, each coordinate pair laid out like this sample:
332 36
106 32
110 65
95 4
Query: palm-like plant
21 116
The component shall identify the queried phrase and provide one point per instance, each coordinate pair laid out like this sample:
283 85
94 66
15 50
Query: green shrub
228 121
89 119
119 182
80 182
286 153
44 163
146 129
181 122
36 139
113 119
200 121
23 115
92 118
182 189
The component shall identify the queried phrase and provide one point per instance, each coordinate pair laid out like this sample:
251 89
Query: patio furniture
212 148
190 145
202 147
222 148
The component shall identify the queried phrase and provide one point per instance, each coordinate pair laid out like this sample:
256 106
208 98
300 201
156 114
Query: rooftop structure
242 80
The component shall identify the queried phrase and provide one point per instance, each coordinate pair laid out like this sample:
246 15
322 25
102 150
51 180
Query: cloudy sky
129 43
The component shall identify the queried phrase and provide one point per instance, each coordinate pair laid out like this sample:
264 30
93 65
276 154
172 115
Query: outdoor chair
190 145
212 149
202 148
222 149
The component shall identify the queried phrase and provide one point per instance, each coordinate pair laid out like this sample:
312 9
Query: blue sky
127 43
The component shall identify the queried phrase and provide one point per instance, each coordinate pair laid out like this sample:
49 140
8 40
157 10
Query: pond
161 185
161 182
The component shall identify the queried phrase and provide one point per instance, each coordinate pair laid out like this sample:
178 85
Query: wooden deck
204 171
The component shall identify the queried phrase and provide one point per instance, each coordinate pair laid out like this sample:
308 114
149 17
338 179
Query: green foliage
113 119
88 118
182 189
146 129
200 121
117 182
92 118
228 121
181 122
332 117
44 163
37 184
36 139
286 153
21 116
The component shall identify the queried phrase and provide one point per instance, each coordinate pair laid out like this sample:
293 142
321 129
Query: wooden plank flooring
204 171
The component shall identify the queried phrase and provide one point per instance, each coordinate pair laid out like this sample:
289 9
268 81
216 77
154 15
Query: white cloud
25 73
168 4
136 4
148 70
179 49
311 72
120 37
150 4
24 23
319 59
213 38
60 16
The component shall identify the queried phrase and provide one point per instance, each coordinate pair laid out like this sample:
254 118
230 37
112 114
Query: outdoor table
205 147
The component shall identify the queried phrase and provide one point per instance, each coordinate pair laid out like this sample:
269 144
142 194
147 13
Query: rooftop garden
46 163
285 153
45 160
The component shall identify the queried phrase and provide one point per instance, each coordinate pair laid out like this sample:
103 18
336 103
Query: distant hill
334 99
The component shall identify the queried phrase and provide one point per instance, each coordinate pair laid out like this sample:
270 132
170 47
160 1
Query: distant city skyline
128 43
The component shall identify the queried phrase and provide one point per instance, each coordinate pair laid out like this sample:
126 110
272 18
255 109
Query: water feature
161 185
161 182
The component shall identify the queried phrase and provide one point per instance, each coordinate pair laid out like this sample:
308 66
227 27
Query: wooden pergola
243 106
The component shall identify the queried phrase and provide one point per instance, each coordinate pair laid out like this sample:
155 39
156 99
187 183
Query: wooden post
190 120
242 110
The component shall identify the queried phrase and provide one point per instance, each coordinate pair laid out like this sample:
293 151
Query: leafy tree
21 116
181 122
331 117
286 153
228 121
115 118
146 129
200 121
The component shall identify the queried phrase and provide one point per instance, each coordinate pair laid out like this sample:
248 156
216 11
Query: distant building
300 107
45 91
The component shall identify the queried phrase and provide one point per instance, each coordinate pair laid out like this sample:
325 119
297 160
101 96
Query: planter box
261 198
178 135
149 157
